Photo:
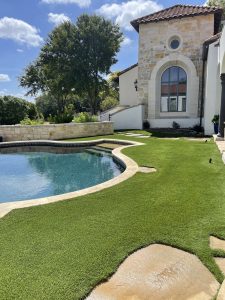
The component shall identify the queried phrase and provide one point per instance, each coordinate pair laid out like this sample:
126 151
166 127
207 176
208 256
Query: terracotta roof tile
176 12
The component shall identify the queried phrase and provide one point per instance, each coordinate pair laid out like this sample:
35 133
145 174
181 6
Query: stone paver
159 272
221 294
147 170
216 243
220 261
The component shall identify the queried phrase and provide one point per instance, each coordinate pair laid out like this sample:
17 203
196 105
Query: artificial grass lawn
63 250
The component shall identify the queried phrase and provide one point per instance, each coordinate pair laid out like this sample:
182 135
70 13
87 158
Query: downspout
204 59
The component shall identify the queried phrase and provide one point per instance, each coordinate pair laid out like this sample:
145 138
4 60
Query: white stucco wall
128 94
130 118
222 51
212 88
168 123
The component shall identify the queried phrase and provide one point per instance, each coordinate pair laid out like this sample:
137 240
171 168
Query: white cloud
57 18
19 31
4 77
19 50
126 42
81 3
3 92
125 12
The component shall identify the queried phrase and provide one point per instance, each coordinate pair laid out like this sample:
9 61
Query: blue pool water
30 175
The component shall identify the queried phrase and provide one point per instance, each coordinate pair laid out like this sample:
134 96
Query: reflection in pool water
30 175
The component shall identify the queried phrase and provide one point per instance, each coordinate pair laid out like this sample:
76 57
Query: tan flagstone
216 243
159 272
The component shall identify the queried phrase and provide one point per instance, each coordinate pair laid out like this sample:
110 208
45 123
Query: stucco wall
153 48
130 118
222 51
54 131
212 88
128 93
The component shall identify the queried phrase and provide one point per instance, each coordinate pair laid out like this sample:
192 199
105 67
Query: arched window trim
173 101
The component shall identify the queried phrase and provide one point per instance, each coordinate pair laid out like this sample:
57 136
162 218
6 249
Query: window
174 44
173 90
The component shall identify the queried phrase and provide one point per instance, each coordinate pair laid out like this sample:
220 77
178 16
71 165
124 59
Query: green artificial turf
63 250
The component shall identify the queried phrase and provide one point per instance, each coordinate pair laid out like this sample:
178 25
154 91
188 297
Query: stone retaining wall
54 131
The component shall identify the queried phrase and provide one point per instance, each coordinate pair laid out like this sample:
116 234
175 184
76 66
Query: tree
220 3
74 60
99 42
13 110
52 71
47 105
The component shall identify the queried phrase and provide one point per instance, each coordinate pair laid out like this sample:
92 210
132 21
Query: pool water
31 175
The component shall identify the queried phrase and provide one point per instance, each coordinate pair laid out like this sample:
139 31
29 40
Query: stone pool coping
131 168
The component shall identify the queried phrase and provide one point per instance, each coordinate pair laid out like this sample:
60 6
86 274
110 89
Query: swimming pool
37 172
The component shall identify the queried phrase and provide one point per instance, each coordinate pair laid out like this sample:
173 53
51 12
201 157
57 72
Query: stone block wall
54 131
153 48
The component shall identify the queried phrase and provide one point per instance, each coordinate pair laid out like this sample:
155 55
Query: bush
198 128
108 103
28 121
65 117
146 125
175 125
84 117
13 110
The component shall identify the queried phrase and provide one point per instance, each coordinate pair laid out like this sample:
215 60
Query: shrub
13 110
84 117
215 119
64 117
108 103
28 121
198 128
175 125
146 125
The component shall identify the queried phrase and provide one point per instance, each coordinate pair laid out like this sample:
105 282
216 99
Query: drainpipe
205 50
222 107
202 92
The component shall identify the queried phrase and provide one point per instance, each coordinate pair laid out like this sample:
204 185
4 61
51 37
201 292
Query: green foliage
220 3
47 105
65 117
84 117
99 42
13 110
28 121
215 119
109 102
74 61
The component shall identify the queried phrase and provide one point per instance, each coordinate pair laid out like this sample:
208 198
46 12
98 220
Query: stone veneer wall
153 47
54 131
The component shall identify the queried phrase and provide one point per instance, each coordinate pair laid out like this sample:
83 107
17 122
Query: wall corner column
222 107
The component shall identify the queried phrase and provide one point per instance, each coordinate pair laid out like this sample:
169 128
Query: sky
25 24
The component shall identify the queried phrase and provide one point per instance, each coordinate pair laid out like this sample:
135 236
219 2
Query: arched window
173 90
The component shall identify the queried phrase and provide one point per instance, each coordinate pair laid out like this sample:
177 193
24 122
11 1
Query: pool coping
131 168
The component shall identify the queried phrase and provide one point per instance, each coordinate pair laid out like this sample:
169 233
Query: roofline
134 23
127 69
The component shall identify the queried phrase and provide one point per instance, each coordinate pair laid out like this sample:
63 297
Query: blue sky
25 24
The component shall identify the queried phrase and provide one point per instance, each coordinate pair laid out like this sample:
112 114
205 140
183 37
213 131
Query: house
177 77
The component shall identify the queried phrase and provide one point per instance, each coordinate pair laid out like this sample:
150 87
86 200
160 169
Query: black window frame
178 94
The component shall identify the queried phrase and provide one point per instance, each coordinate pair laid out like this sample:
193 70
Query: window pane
164 104
174 74
173 104
173 89
182 89
165 76
165 89
182 103
182 76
